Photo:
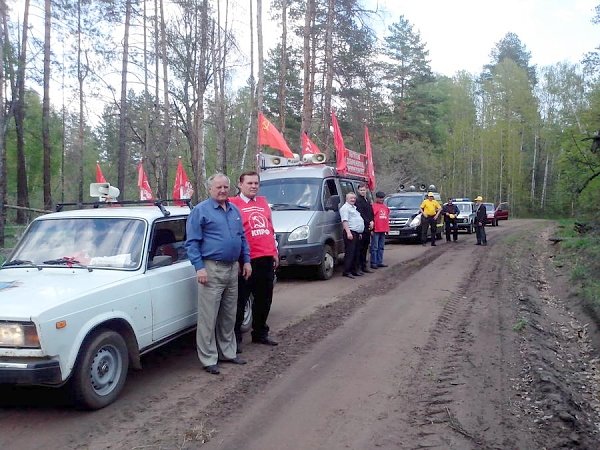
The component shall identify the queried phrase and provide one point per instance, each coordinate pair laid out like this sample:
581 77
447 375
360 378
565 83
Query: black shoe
348 275
382 265
433 245
213 370
365 270
479 243
447 240
374 267
357 274
236 360
265 340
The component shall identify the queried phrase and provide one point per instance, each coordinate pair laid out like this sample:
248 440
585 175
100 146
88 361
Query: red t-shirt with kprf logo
258 225
381 221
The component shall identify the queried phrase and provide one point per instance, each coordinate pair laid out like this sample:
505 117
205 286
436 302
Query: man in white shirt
354 225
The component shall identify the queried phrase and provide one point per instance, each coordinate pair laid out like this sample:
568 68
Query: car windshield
292 193
464 207
489 207
404 202
82 242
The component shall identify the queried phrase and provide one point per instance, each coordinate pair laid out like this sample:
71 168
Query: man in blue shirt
216 244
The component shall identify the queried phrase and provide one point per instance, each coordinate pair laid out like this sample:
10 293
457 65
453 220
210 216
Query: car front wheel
101 370
325 269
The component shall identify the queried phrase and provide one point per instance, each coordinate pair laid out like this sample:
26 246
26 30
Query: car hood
26 293
288 221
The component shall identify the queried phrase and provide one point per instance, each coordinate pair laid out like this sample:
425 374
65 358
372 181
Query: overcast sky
461 33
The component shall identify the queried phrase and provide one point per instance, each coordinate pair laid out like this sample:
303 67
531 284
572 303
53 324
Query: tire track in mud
507 365
464 403
202 425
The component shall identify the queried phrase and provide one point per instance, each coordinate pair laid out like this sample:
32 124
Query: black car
405 215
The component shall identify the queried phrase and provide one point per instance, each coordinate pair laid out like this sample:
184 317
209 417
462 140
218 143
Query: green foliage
520 325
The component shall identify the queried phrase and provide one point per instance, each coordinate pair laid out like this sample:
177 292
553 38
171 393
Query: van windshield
405 202
292 193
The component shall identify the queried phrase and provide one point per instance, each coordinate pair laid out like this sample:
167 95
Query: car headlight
416 221
15 334
299 234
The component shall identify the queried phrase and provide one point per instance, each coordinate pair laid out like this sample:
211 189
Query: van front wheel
325 269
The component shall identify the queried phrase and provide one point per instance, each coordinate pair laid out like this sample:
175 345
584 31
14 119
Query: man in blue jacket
216 245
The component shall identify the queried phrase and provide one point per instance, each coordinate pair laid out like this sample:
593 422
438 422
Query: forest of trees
124 81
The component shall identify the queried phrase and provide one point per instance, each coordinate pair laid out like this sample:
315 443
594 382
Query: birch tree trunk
81 75
22 189
532 193
260 57
251 106
163 165
544 184
122 155
46 107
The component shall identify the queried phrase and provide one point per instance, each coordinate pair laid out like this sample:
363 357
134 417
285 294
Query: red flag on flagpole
99 176
308 146
370 165
145 189
182 189
338 142
271 137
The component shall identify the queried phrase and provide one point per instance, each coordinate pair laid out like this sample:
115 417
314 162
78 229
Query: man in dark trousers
480 218
353 226
364 207
258 228
450 212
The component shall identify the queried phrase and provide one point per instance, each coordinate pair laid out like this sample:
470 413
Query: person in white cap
480 218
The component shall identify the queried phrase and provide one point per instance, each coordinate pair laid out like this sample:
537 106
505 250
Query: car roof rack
98 204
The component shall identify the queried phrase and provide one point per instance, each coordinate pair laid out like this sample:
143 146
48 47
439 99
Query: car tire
101 370
327 266
247 322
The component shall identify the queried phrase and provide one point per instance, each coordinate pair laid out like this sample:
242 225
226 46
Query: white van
305 200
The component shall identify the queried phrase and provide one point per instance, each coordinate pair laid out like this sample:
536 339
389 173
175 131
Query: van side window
346 186
329 189
168 243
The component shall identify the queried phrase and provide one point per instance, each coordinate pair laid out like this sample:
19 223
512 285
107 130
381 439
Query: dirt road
452 347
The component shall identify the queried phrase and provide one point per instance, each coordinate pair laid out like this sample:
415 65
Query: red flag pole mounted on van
338 142
370 165
270 136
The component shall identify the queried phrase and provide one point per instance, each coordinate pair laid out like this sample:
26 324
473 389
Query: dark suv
405 217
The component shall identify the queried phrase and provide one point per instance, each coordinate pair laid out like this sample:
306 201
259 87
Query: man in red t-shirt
258 228
381 225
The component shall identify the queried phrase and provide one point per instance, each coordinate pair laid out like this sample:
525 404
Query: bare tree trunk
283 66
166 130
532 194
22 189
307 93
545 184
260 84
218 57
122 158
46 107
81 76
325 120
146 113
251 81
198 153
2 127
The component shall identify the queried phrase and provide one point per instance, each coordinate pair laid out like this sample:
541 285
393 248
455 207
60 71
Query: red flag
182 189
370 165
99 176
308 146
270 136
145 189
338 142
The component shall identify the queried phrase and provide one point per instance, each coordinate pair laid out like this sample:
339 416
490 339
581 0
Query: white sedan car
87 292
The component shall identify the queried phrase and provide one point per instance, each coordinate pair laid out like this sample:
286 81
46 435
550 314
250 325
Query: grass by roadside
580 254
